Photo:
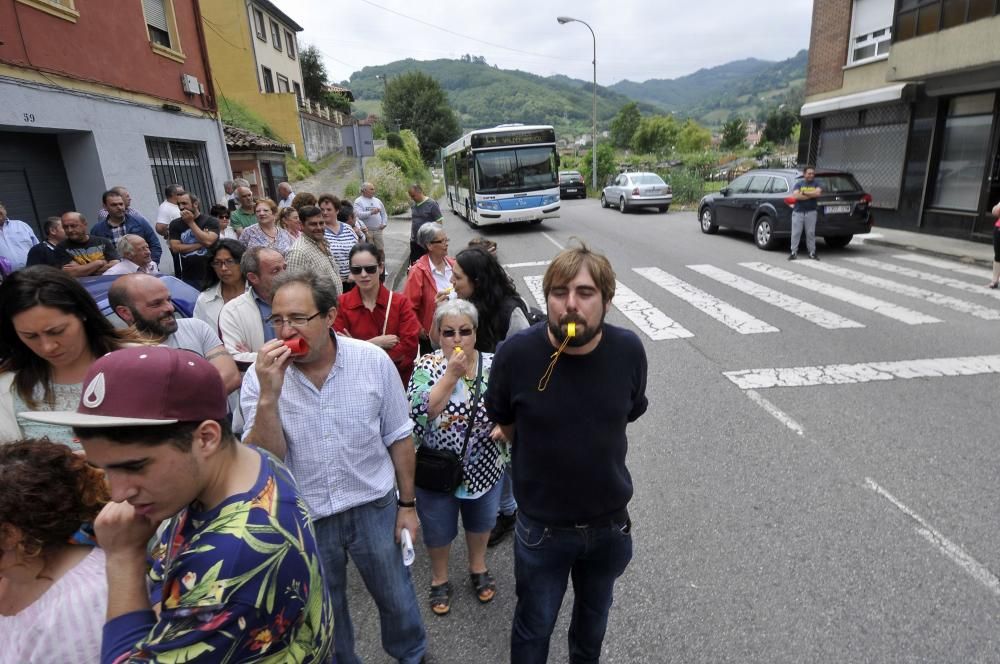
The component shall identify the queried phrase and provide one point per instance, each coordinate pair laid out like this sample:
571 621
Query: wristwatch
406 503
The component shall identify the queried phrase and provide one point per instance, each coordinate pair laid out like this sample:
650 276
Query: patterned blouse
484 458
253 236
241 582
66 397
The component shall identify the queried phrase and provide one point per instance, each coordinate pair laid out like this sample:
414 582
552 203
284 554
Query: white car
635 190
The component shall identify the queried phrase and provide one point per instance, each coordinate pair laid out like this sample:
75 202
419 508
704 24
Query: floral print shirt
241 582
253 236
484 459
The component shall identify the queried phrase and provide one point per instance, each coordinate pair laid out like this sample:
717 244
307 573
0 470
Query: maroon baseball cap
145 386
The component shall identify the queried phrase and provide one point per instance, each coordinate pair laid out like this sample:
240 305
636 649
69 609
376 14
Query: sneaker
792 257
814 257
505 524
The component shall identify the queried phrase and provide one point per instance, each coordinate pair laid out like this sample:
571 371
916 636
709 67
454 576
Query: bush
298 168
688 186
394 141
390 182
352 190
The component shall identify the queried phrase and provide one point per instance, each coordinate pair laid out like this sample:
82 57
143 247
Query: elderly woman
266 232
428 276
53 588
288 219
446 404
224 283
372 313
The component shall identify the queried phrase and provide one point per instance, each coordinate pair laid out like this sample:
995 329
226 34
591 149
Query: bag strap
475 406
385 323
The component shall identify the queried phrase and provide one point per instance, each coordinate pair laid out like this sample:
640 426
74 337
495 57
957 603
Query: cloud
637 40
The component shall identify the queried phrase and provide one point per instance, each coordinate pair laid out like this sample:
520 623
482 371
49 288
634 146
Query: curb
929 252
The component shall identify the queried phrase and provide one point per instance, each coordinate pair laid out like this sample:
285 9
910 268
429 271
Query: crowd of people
191 489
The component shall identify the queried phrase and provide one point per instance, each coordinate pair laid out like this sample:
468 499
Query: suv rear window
839 183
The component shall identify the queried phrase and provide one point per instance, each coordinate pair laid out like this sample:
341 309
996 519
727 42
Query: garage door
33 184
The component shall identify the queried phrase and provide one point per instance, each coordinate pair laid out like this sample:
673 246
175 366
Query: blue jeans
545 559
507 503
367 533
439 512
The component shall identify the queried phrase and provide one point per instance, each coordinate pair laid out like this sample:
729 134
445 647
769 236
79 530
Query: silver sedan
635 190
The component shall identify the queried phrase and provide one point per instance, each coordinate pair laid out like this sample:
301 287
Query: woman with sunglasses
53 588
221 212
429 278
446 396
373 313
223 283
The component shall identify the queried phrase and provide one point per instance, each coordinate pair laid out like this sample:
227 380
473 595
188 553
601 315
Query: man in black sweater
565 414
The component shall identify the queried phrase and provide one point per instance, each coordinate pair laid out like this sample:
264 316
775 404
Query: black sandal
484 586
440 599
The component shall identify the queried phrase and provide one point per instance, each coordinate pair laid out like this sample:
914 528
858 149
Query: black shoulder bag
441 470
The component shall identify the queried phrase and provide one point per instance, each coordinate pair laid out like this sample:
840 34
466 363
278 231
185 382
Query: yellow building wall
234 70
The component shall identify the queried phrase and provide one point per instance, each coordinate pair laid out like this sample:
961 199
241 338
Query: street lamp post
593 172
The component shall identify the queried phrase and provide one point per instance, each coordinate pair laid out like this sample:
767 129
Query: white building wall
268 56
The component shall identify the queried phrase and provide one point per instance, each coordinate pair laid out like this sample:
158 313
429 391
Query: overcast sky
636 39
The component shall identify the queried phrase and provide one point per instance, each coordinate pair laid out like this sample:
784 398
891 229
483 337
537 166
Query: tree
655 134
607 165
734 134
416 101
314 76
624 125
780 125
693 137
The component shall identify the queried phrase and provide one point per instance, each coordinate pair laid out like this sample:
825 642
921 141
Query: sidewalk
963 250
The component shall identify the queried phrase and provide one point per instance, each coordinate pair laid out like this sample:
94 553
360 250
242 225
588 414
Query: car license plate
837 209
571 191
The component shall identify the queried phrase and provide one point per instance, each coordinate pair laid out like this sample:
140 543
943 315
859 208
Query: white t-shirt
194 335
167 212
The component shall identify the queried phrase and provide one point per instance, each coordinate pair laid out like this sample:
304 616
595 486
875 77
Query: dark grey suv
759 202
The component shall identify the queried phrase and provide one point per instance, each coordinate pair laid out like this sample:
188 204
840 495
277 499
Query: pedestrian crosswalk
838 294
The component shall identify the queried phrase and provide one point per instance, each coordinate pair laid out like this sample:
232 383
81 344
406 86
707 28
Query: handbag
441 470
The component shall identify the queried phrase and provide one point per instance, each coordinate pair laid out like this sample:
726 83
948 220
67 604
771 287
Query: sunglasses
370 269
464 331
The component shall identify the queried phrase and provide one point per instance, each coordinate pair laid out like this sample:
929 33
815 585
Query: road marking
875 305
953 266
974 568
777 413
812 313
534 284
867 236
651 321
552 240
727 314
978 289
863 372
511 266
965 307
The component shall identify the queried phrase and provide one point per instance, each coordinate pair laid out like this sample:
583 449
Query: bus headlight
550 200
489 205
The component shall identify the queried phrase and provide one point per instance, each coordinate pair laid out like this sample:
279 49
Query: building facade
255 63
906 95
89 104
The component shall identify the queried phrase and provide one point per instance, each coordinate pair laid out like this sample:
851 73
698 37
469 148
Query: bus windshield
520 169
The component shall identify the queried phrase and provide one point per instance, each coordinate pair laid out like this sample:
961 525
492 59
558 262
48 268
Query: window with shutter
156 21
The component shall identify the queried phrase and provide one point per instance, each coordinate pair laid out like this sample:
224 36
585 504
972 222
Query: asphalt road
823 513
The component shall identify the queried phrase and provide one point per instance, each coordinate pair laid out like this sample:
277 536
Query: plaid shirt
339 435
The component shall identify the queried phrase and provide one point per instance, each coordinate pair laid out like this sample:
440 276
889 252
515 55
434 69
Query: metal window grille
181 162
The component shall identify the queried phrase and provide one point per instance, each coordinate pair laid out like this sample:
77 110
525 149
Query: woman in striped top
53 589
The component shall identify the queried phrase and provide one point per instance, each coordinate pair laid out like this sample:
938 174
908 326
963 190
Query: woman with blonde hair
266 232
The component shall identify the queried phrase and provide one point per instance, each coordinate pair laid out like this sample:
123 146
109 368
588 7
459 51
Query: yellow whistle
571 330
458 348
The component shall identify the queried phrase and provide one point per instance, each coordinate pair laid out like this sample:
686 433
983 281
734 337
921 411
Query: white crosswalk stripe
948 301
810 312
875 305
953 266
976 288
725 313
534 284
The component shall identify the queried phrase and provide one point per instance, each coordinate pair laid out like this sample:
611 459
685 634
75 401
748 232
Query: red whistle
298 346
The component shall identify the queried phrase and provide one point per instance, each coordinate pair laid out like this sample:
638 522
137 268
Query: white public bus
506 174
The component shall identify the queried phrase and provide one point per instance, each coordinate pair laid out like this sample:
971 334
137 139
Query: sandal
992 284
484 586
440 599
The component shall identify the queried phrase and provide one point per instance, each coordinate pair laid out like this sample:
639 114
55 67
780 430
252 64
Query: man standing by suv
805 192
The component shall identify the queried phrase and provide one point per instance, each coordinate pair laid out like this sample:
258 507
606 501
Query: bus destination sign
513 138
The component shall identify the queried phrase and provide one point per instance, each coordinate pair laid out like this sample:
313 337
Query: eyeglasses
464 331
292 321
370 269
229 262
443 241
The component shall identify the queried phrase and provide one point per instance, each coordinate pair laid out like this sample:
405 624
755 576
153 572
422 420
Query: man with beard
565 413
143 301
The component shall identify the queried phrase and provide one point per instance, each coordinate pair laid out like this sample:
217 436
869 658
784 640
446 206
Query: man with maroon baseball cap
235 569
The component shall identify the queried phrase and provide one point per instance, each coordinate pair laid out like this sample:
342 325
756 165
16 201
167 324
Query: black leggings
996 243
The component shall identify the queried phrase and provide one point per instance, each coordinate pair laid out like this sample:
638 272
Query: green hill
484 95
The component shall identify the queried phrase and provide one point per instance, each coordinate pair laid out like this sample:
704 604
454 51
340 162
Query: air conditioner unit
190 84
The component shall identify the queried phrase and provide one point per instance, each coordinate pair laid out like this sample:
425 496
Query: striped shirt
339 435
340 244
64 624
